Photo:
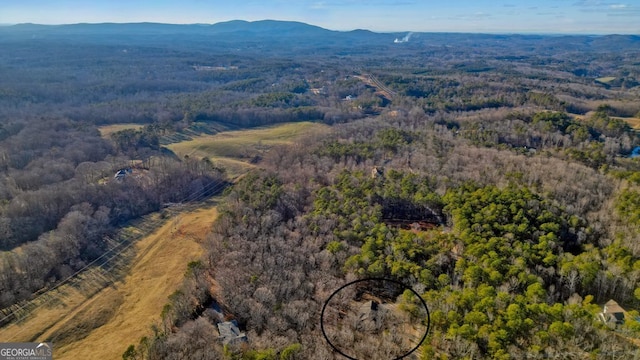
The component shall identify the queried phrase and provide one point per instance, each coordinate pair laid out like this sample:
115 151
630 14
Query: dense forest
493 174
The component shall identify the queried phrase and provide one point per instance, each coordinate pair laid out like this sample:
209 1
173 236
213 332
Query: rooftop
230 333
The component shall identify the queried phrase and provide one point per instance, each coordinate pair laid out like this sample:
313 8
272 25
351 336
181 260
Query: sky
490 16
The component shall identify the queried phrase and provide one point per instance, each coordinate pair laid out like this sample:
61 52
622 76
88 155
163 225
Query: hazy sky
538 16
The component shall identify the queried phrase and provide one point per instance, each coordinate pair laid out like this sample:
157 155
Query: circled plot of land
375 319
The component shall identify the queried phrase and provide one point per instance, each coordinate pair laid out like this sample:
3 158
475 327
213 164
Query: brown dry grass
243 144
157 272
38 322
606 79
234 150
633 122
107 130
102 326
95 312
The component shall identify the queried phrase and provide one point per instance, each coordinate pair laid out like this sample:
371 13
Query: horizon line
501 32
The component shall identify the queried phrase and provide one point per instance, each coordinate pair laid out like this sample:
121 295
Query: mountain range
296 36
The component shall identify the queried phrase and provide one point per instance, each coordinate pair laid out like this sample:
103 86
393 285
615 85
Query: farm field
606 79
107 130
235 150
633 122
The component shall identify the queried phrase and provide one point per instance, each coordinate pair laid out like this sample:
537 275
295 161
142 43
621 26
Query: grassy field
633 122
606 79
107 130
157 272
103 325
234 150
244 144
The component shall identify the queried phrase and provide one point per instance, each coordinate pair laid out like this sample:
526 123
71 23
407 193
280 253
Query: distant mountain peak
269 27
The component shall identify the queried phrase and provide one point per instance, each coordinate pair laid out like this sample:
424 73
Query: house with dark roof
120 174
377 172
230 333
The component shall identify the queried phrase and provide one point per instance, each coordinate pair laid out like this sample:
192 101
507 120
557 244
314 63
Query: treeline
594 140
104 83
266 276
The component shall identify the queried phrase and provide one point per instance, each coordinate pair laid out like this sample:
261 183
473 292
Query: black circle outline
424 303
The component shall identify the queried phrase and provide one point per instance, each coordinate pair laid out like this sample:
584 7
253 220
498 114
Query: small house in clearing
612 313
377 172
230 333
120 174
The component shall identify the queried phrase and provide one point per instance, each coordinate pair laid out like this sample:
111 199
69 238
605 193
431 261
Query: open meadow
236 151
100 326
